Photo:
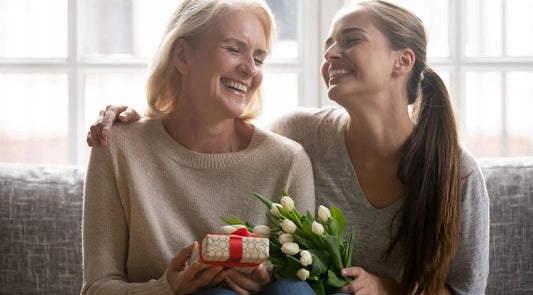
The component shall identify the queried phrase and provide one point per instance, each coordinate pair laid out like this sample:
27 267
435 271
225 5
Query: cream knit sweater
147 197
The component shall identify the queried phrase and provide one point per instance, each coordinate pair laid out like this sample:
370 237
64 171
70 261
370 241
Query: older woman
163 181
415 197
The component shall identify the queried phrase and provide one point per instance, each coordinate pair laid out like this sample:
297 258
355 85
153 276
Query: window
61 61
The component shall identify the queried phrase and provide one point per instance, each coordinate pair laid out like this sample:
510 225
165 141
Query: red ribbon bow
235 250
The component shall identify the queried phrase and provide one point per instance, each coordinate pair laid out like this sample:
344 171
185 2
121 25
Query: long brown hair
430 167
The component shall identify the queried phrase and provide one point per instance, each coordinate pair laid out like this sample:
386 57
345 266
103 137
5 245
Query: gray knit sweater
322 134
146 197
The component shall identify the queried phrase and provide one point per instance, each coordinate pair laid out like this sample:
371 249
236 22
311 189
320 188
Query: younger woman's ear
180 52
406 60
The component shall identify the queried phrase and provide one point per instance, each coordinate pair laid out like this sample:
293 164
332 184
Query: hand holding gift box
240 250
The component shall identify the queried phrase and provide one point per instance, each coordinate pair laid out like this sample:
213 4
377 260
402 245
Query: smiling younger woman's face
357 59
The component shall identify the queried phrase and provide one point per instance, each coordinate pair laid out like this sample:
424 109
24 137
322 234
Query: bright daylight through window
61 61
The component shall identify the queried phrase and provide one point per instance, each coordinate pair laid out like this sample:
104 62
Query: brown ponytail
430 167
430 170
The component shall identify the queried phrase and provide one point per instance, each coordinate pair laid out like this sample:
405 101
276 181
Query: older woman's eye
258 61
233 50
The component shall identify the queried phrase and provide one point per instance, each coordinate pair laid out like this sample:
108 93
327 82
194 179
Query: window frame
314 18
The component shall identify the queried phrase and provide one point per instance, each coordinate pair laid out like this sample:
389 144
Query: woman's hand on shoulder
367 283
100 129
244 285
186 279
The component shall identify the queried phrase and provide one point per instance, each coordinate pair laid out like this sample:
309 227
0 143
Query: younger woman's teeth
237 86
340 72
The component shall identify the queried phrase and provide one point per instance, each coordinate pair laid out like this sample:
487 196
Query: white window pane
286 13
483 28
33 29
34 121
435 16
103 89
519 28
124 28
499 28
280 95
519 100
483 113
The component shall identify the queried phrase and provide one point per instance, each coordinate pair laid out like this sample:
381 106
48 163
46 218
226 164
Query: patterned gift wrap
235 250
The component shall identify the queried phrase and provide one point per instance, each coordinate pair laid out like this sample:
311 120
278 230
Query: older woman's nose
249 67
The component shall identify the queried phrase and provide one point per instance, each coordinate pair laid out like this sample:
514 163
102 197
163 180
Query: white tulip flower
323 214
262 231
306 258
229 229
318 229
285 238
274 209
303 274
287 203
290 248
288 226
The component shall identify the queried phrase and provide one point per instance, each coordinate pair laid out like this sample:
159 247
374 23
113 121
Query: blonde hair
192 19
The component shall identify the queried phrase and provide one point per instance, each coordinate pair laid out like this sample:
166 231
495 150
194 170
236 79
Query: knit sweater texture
322 134
147 197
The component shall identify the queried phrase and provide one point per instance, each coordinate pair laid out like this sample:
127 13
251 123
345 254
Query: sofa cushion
40 229
510 187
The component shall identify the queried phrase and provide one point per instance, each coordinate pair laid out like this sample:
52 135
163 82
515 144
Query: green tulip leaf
266 201
318 287
301 238
348 252
341 221
335 281
333 228
307 228
332 247
321 262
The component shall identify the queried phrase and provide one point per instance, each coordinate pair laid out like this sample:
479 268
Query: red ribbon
235 250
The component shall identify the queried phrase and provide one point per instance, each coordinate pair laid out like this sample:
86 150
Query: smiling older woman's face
225 67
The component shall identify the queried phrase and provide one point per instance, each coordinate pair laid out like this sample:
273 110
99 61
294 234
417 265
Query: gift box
240 250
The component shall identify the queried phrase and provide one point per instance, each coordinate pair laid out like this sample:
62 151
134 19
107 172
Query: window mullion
75 103
457 57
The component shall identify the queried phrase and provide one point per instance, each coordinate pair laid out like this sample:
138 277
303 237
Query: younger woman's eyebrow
351 29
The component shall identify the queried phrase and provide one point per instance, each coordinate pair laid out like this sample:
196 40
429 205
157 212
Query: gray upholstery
40 228
41 209
510 187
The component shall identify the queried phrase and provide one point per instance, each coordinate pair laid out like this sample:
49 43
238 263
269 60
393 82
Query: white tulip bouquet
302 247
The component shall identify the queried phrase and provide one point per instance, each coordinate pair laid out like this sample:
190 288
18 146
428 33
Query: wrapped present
240 250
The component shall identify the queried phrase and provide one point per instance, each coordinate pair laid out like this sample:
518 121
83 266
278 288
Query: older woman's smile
235 85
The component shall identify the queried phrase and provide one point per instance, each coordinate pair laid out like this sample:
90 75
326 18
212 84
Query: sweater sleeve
105 234
470 267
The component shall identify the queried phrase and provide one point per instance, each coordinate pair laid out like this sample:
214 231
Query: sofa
41 213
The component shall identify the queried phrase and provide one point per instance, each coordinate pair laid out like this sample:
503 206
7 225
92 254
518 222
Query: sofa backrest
40 229
41 212
510 186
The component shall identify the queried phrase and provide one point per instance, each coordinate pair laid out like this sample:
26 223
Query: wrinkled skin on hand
100 129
